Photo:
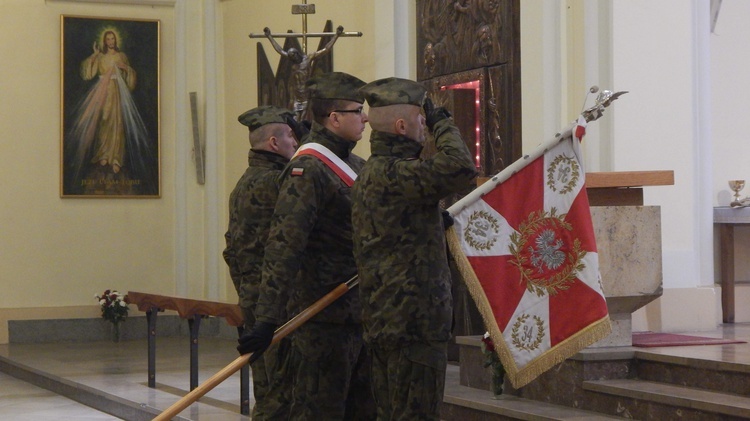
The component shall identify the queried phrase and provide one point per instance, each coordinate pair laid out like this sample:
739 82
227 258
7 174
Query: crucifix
302 62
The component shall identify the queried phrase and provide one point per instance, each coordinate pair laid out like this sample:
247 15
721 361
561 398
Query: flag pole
238 363
508 171
603 100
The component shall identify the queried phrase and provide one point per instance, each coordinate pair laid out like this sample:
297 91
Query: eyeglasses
357 111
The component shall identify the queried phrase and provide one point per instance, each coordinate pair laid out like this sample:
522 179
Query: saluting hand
433 115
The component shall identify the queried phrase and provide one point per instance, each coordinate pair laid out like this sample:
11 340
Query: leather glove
447 219
257 340
300 128
433 115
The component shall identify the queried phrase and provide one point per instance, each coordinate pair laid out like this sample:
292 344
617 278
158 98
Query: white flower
102 302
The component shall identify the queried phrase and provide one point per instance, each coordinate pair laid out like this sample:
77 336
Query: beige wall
57 253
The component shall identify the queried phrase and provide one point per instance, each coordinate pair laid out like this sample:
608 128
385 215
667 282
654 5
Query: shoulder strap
329 158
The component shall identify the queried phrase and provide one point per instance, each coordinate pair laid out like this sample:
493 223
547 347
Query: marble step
466 403
702 373
647 398
126 403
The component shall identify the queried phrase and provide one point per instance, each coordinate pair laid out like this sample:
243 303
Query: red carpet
654 339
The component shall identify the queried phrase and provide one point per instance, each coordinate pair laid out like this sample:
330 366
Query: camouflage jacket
399 238
251 206
311 233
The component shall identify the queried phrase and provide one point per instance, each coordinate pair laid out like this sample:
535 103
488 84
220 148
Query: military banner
524 243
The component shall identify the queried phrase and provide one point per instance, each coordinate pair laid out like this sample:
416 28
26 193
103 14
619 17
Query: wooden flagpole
237 364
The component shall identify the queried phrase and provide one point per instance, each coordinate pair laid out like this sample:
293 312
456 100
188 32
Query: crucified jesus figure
302 66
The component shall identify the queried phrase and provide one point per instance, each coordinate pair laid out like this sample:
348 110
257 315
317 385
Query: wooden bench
194 311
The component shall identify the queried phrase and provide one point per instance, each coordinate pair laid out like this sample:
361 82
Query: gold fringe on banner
559 353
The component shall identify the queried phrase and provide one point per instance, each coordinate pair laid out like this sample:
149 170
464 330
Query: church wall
663 124
730 88
58 253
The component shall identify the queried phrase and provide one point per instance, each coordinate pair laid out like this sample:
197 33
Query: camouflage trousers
332 379
272 379
272 382
408 382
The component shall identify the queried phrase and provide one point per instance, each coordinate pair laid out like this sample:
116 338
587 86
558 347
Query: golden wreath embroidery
481 230
527 337
539 253
563 171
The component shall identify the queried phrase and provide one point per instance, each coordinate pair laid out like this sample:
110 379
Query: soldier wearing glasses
309 253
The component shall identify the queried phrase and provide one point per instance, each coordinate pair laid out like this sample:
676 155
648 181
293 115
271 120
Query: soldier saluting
399 245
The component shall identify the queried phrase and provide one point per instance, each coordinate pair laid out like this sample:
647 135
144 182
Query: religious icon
302 67
287 87
110 113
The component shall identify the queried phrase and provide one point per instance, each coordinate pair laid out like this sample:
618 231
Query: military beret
265 114
335 85
393 91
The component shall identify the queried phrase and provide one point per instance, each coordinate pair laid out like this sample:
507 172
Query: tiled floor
21 401
120 369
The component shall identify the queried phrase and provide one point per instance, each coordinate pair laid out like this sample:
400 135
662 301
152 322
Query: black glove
300 129
257 340
447 219
432 114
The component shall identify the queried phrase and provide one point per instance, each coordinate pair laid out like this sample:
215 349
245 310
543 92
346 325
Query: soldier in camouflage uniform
272 144
399 245
309 253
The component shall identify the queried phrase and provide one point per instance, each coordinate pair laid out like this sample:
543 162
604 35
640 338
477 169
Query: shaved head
401 119
384 119
260 136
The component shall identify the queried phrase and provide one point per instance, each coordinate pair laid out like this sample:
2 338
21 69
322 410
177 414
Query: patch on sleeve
297 172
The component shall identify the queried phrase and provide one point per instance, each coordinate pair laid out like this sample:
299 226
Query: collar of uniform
335 143
389 144
268 156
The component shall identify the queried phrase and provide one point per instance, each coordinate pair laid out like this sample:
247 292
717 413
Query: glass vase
116 332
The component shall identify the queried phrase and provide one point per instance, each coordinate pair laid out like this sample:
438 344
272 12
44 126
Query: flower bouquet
492 360
114 308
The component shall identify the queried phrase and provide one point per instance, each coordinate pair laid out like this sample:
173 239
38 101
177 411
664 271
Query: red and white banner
524 243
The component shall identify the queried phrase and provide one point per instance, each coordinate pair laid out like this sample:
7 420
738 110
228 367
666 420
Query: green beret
335 85
393 91
265 114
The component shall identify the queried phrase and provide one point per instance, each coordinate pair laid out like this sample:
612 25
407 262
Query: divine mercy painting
110 107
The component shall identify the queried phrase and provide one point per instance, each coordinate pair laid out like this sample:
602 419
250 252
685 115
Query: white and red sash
341 168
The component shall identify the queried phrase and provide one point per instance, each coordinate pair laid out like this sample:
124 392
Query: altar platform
44 381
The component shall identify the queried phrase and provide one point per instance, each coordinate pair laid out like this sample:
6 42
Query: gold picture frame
110 112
